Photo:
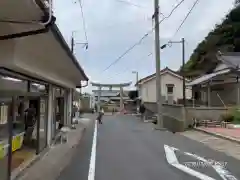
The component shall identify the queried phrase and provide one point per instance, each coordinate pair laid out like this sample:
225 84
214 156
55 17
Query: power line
184 20
116 25
84 24
170 14
126 52
142 38
138 60
130 3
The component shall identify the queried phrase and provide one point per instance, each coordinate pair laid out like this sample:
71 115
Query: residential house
171 87
221 87
87 101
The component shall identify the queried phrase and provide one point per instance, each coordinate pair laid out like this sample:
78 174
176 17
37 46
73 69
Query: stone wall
173 116
176 111
205 113
180 118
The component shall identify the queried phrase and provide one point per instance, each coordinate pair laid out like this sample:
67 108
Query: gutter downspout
85 85
29 33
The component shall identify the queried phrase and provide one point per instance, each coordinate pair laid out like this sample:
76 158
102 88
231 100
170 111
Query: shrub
228 117
236 114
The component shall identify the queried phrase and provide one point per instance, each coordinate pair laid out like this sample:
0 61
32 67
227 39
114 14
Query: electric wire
126 52
130 3
184 20
83 19
143 37
138 60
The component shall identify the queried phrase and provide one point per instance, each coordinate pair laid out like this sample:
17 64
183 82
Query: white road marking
221 170
172 160
91 172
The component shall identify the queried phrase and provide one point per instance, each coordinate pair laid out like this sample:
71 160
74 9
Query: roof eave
62 41
65 46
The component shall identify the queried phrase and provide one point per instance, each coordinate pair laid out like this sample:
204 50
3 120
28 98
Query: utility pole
182 42
158 66
72 44
136 72
137 81
183 72
137 88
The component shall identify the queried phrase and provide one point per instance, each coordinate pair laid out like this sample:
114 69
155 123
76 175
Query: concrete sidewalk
224 133
217 143
50 165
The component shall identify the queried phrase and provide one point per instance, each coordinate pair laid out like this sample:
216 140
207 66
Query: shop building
38 75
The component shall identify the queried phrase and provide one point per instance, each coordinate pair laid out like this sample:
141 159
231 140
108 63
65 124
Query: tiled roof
205 78
162 71
230 59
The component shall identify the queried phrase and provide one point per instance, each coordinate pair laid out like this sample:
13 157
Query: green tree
225 37
237 2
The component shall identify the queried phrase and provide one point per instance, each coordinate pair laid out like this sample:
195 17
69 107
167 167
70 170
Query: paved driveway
129 149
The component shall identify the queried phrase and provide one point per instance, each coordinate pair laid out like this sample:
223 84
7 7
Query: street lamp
73 43
183 63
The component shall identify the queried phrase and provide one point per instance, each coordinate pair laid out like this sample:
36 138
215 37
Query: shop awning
45 56
205 78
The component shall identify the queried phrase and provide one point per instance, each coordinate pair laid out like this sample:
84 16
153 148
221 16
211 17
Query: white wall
229 95
148 89
6 52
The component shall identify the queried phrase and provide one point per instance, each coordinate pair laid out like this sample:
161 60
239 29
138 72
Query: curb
235 140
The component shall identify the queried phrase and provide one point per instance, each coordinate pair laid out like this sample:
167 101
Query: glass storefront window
36 87
59 109
26 135
23 132
4 137
9 83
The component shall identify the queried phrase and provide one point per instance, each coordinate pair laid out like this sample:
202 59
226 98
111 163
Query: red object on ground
235 133
123 111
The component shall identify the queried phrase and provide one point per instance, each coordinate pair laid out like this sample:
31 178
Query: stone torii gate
110 86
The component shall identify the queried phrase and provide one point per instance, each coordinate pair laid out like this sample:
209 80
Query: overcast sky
113 26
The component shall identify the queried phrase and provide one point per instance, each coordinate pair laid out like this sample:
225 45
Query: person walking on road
100 115
142 110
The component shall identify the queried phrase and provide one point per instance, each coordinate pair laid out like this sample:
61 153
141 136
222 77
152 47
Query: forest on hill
225 37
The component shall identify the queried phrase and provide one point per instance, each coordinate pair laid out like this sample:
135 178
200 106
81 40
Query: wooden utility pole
183 72
158 66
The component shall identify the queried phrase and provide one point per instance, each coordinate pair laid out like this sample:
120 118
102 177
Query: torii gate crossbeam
121 86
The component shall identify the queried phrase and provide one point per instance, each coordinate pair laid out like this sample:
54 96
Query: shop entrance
59 111
23 129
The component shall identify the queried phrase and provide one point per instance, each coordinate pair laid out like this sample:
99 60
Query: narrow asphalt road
130 149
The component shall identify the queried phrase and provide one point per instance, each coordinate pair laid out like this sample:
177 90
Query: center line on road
91 172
